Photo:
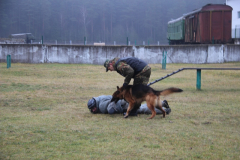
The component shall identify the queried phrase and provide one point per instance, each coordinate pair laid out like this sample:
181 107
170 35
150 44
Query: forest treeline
97 20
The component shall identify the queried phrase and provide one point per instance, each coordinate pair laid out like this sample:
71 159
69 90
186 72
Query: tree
99 20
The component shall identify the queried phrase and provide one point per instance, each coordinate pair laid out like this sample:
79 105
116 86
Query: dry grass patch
43 115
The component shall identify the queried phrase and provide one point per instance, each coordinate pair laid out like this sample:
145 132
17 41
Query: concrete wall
30 53
12 41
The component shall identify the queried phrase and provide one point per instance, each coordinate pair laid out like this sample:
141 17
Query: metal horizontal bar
168 75
212 68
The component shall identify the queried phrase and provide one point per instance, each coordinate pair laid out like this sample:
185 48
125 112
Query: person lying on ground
103 105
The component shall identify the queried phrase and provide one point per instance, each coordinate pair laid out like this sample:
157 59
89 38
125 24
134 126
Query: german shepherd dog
136 94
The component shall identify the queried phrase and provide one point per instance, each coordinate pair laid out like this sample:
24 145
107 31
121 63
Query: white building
235 4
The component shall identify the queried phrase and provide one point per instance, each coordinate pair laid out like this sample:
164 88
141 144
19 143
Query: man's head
108 65
92 105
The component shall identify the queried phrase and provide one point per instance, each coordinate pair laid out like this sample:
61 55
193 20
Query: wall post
198 84
164 61
8 61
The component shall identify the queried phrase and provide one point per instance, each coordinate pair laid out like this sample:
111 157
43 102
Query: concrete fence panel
197 54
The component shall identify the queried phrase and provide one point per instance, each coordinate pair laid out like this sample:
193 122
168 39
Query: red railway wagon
209 24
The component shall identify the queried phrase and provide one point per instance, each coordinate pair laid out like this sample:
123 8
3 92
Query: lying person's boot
168 110
165 104
130 114
133 112
124 110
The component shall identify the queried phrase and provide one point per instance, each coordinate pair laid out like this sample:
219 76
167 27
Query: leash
168 75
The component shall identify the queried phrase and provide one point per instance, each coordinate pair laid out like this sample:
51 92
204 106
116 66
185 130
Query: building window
238 14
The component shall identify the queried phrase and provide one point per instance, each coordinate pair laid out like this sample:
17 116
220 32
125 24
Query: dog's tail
168 91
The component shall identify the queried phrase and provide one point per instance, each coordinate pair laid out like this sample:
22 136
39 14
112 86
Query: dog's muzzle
114 99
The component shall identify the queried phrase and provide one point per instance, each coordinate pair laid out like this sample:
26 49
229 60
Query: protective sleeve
114 108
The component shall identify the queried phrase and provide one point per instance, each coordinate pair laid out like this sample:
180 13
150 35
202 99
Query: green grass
43 115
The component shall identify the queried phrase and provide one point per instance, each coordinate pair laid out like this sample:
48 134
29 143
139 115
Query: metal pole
164 56
8 61
163 60
198 85
42 39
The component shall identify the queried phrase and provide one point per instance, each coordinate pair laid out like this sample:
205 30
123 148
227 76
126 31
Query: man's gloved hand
125 85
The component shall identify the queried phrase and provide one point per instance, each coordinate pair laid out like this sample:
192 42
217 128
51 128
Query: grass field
44 115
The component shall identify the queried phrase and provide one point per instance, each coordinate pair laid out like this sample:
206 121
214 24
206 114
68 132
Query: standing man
130 67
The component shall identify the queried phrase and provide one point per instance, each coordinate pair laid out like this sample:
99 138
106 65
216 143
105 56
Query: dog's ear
117 88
